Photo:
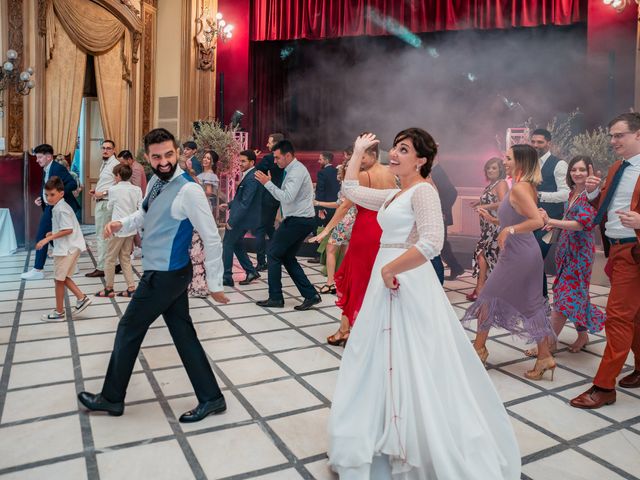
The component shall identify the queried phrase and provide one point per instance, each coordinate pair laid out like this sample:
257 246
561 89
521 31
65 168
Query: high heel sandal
339 341
540 367
483 354
327 289
473 296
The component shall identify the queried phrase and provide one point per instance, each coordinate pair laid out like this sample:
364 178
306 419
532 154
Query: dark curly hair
424 145
158 135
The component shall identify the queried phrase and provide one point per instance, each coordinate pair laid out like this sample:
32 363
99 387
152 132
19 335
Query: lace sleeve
429 223
370 198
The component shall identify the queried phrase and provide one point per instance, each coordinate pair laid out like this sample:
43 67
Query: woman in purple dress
511 298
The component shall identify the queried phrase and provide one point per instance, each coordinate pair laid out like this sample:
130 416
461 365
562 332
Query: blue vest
166 241
554 210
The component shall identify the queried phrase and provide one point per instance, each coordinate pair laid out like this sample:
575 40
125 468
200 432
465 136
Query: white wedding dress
412 400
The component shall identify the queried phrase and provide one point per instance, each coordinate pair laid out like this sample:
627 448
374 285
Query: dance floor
278 375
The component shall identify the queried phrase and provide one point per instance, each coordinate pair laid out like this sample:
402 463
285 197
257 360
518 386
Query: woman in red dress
353 275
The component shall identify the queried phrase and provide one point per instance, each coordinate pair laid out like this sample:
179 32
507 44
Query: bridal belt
396 245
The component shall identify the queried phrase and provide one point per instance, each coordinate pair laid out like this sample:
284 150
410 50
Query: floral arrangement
214 136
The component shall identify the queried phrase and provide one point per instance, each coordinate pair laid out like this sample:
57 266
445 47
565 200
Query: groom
296 201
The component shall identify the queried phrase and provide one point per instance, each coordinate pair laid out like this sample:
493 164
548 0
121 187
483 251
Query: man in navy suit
327 185
244 215
270 205
44 157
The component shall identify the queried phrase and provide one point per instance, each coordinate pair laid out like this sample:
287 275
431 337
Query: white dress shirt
191 203
107 179
621 200
560 175
124 199
46 170
296 194
64 218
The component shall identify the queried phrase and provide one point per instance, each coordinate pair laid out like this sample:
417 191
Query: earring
417 168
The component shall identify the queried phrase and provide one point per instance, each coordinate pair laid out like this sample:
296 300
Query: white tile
39 373
174 381
320 470
250 370
309 360
325 383
278 397
529 439
224 348
39 402
509 388
235 451
305 434
36 441
288 474
161 357
139 422
138 388
619 448
274 341
559 417
262 323
96 343
161 460
27 351
95 365
75 469
242 310
568 465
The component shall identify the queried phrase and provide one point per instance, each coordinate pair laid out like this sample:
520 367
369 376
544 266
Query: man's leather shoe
270 303
308 303
95 273
261 267
594 398
454 274
98 403
118 269
631 381
314 260
228 283
250 278
203 409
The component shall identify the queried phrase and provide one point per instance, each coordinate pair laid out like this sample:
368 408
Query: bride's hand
389 279
365 141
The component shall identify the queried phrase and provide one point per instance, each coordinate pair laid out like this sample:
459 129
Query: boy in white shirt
68 245
124 199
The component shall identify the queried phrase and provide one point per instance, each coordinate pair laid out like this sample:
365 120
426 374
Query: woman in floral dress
485 255
574 259
198 286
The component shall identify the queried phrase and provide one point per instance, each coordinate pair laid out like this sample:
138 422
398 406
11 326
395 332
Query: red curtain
319 19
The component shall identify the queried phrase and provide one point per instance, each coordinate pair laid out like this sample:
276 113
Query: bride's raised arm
370 198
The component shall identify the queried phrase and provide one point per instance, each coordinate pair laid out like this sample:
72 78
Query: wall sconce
619 5
209 29
10 76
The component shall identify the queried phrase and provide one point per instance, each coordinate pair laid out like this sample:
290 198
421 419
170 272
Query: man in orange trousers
618 204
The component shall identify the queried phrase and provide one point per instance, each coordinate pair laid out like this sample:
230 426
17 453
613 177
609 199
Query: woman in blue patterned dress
574 259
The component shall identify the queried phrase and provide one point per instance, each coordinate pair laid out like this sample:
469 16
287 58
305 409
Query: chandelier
619 5
209 29
23 81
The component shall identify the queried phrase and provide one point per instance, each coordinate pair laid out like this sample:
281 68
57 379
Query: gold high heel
483 354
540 367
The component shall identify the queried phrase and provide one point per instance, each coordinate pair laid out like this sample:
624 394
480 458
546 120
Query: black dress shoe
118 269
228 283
250 278
314 260
261 267
308 303
203 409
97 403
96 273
270 303
454 274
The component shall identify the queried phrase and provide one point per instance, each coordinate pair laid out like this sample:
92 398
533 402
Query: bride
412 399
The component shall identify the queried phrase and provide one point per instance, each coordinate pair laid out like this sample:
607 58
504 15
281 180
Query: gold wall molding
15 104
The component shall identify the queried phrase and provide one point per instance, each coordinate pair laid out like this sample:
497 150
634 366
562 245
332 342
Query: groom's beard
165 176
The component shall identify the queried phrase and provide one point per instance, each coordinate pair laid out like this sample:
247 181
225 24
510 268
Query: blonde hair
526 160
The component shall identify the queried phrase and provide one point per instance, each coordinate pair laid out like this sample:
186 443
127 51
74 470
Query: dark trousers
448 257
282 251
266 229
43 228
159 293
436 262
233 243
544 249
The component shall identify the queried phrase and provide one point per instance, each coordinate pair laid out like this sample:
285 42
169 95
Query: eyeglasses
617 136
107 148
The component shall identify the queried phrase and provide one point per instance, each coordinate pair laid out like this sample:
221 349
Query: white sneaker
33 274
53 316
81 305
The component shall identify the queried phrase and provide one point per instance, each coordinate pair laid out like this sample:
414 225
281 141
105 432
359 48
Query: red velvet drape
318 19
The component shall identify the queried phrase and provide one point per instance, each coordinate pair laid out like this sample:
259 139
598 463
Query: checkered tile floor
278 374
